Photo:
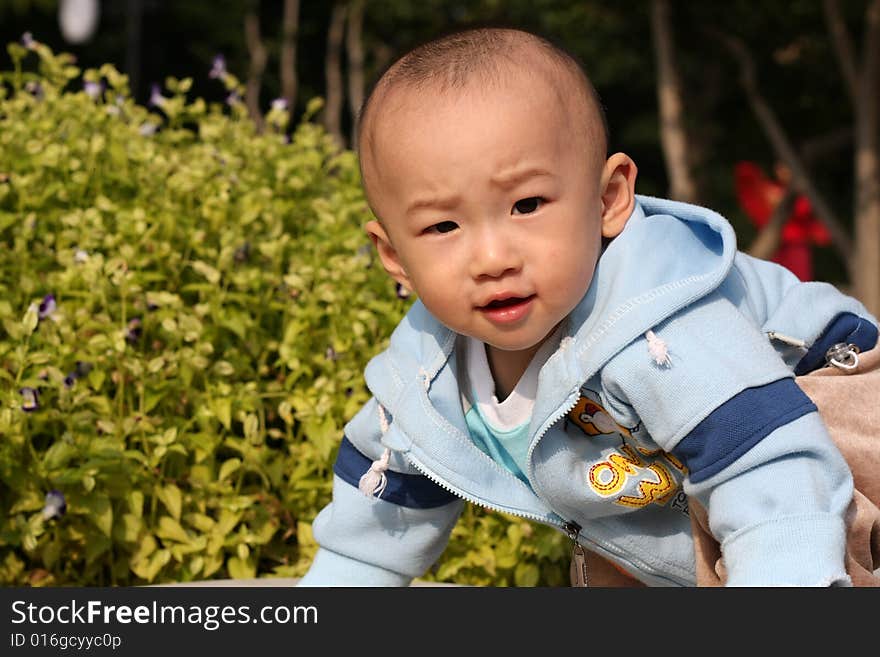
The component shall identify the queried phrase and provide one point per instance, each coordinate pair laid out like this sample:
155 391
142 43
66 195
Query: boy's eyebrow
511 179
505 180
441 203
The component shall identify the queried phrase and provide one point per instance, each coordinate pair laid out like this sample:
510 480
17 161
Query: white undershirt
516 409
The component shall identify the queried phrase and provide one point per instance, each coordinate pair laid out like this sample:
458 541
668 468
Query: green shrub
186 311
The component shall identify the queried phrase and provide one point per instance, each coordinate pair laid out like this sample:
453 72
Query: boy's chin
514 345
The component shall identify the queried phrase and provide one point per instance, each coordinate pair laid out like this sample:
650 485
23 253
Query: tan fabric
849 403
602 573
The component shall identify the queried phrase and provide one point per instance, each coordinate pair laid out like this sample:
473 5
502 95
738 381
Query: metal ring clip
843 356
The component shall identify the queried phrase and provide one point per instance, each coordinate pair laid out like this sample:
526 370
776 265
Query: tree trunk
673 135
842 48
258 65
333 73
133 29
355 50
862 84
289 29
867 200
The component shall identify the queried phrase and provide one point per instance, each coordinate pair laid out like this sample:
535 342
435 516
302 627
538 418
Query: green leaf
96 546
252 428
51 553
207 271
172 498
241 568
128 529
223 410
100 511
229 466
526 574
30 320
58 455
171 529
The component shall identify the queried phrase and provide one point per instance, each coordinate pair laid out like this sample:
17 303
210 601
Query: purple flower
27 40
218 67
402 292
93 89
156 97
80 256
148 129
34 88
47 306
133 332
82 369
330 354
55 505
233 98
242 253
31 399
279 104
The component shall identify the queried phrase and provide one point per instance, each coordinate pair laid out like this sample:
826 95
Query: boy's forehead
411 118
405 107
527 72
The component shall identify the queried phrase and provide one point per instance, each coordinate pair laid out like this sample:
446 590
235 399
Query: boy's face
488 194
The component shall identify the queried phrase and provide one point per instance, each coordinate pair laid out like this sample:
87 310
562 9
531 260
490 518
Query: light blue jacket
619 441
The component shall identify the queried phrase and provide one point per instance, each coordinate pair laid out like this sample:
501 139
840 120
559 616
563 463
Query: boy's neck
507 367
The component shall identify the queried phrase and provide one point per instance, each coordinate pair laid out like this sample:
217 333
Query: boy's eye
442 227
528 205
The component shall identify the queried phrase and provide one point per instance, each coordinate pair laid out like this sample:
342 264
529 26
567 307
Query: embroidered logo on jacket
633 475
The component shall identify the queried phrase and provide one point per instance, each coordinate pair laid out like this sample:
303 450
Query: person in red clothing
759 195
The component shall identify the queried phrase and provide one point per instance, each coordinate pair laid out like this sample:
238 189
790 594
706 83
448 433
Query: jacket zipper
570 528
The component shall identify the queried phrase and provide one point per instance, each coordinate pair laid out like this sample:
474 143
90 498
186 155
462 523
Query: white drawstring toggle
658 350
374 480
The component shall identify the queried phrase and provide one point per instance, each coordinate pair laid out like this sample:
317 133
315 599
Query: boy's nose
494 254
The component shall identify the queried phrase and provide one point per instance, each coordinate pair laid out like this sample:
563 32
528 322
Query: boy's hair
454 60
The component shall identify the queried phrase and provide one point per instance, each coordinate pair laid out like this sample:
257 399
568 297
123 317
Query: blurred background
745 107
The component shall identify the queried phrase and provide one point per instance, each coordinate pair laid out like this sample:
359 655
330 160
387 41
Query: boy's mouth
506 310
507 301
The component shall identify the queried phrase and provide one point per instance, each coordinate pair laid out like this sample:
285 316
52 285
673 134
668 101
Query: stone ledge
269 582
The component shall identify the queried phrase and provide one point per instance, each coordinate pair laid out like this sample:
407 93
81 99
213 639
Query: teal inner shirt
500 429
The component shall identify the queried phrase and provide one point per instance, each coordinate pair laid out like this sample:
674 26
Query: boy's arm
778 510
759 457
385 541
789 311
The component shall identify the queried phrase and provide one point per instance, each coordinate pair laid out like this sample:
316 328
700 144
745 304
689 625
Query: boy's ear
387 253
618 193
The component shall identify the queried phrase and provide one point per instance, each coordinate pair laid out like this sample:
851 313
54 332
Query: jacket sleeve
378 541
776 301
758 455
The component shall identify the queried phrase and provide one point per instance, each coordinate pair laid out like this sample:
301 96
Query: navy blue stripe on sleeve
739 424
845 327
409 490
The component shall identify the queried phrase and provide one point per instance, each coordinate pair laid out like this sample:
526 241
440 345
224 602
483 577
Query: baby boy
578 355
